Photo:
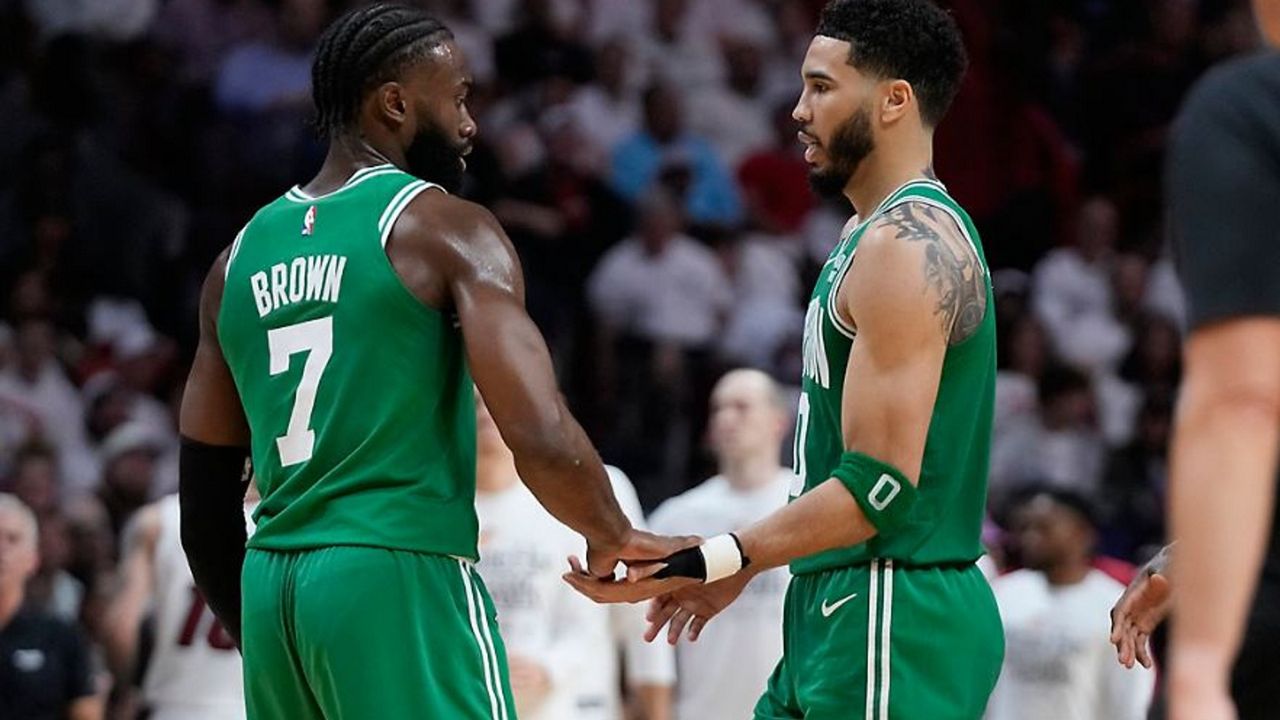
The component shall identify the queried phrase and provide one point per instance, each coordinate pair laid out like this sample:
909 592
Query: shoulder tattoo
951 267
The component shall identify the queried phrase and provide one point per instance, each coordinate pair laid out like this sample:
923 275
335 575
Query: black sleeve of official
211 488
1223 192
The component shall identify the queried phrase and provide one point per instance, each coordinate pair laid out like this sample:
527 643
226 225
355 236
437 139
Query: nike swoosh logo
828 609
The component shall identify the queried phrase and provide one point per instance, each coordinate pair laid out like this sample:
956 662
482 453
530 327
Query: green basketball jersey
945 524
358 396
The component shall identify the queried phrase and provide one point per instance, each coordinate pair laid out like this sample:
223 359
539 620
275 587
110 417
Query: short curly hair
914 40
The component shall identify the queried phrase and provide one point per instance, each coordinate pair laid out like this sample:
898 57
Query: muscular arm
1223 466
511 366
127 607
914 288
215 446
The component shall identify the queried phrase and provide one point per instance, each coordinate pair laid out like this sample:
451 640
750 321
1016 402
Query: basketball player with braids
339 337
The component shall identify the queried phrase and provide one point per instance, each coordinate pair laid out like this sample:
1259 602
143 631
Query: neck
349 152
886 169
1068 573
496 471
10 601
750 472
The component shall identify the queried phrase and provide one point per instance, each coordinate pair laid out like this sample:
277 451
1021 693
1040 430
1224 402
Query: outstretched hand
1143 606
641 552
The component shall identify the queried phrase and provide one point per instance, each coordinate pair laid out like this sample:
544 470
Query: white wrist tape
722 557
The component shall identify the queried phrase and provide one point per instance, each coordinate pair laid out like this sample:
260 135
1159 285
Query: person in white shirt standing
748 422
522 551
193 671
1058 663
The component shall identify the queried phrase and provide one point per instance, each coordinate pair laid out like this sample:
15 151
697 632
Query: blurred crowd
642 157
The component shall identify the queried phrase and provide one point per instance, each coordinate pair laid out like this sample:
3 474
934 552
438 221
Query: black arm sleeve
212 483
1223 173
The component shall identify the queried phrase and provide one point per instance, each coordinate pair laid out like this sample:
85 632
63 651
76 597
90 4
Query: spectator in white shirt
1058 662
522 556
608 109
37 386
1060 446
1072 292
735 114
748 421
662 284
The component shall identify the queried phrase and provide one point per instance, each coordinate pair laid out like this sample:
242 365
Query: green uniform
359 600
902 627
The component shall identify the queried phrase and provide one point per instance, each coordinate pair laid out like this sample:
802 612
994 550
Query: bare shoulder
917 245
461 236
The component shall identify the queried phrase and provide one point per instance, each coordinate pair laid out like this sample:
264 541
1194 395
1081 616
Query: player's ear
392 103
896 101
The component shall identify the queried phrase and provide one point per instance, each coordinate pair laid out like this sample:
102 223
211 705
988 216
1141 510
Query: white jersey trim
296 193
398 205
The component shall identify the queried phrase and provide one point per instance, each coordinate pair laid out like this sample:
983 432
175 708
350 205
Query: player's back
194 670
945 524
357 394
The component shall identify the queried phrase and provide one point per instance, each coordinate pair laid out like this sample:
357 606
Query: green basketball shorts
876 642
358 633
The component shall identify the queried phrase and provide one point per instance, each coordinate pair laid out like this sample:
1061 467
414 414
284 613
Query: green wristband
882 491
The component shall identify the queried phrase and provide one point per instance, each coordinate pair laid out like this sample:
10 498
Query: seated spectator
679 47
1060 446
260 77
561 219
1071 292
735 114
200 33
1022 355
1134 492
44 662
35 478
538 48
1059 664
53 589
661 285
607 110
37 382
775 179
660 301
663 150
128 472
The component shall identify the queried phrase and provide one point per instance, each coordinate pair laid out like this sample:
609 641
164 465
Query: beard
850 144
432 157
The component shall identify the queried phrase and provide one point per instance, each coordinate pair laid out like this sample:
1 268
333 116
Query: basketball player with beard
887 615
339 337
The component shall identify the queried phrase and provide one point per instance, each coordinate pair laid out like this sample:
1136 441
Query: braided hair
362 49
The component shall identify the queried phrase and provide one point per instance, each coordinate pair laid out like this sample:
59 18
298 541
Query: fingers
695 628
640 571
576 565
678 623
1144 652
660 612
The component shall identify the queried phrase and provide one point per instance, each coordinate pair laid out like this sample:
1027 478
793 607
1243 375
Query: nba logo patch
309 222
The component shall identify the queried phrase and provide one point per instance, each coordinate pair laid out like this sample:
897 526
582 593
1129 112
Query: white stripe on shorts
484 654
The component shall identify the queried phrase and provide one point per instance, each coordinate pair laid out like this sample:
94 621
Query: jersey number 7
314 337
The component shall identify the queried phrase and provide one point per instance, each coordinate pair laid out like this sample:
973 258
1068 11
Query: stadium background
137 136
